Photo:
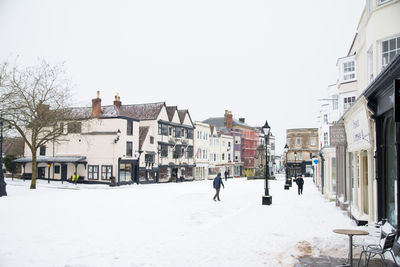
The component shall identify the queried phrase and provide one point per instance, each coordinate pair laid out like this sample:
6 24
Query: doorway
364 162
63 172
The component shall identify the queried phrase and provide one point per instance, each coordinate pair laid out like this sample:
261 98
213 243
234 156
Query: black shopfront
381 100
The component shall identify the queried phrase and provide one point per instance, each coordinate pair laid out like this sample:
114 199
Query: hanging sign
337 134
315 161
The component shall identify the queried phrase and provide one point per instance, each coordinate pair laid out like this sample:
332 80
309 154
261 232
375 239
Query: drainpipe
322 172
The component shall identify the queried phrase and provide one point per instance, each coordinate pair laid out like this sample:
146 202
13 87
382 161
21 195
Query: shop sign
357 130
337 134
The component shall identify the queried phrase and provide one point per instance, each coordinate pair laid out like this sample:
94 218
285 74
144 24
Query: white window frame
349 70
381 48
381 2
370 63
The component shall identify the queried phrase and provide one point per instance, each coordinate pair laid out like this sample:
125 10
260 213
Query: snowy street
174 224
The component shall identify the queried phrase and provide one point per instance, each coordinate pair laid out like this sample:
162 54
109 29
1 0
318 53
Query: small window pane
385 47
392 44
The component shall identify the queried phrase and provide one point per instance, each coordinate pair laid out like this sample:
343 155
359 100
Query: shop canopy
45 159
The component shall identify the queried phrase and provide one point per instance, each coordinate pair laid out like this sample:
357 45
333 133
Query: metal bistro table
350 233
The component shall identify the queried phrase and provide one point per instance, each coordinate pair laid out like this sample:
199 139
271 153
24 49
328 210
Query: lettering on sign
337 135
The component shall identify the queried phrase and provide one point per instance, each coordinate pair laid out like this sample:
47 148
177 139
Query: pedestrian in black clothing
217 185
300 182
226 175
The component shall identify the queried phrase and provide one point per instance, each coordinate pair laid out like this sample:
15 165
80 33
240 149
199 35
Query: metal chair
386 245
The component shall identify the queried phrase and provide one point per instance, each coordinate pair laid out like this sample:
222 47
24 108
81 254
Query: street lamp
118 136
3 184
288 182
266 199
286 149
295 167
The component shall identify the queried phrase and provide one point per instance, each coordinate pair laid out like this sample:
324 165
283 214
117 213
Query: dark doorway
41 172
63 172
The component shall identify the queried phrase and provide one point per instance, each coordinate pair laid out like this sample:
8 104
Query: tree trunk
34 171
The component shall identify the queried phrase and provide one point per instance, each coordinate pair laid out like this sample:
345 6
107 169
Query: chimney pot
117 101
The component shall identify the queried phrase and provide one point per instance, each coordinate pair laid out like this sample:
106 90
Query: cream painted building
134 143
99 145
202 134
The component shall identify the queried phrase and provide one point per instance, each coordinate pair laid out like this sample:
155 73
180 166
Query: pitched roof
13 146
142 135
148 111
171 111
182 114
219 122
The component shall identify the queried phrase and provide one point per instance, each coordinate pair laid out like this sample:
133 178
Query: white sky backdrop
261 59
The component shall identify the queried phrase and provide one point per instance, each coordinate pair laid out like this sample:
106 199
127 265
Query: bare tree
34 100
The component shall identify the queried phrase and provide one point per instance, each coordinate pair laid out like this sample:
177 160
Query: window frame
92 172
102 172
129 127
396 50
129 148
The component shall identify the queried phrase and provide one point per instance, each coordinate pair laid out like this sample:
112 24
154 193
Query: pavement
327 261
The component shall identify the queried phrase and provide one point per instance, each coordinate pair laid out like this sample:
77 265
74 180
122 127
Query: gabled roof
182 114
148 111
143 131
171 111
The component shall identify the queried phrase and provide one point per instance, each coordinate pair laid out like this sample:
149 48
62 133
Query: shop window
57 169
93 172
106 172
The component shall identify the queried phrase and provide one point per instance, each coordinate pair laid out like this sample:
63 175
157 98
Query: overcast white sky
264 60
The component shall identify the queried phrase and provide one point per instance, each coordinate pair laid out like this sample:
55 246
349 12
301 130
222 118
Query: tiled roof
148 111
219 122
142 135
182 114
171 111
13 146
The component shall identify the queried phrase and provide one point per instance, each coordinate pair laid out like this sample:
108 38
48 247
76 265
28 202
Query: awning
61 159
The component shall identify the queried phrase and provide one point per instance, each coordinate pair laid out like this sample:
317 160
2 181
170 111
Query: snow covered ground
166 225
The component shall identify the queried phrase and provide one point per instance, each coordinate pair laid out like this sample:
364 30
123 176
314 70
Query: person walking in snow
226 175
217 185
300 183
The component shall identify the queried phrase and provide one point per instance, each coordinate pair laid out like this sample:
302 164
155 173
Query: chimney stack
96 106
228 119
117 101
241 120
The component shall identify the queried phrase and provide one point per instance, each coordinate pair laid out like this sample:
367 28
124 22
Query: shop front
383 96
360 156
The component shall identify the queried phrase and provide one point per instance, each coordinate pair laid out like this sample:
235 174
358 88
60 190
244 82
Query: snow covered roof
66 159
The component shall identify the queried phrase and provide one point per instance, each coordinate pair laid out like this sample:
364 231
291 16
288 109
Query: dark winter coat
300 182
218 182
